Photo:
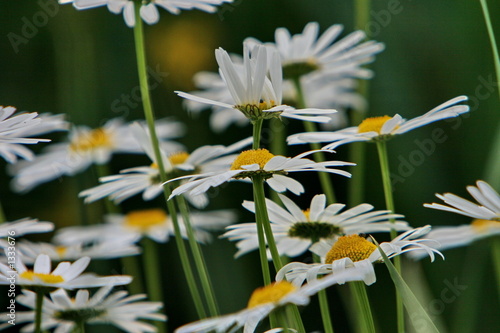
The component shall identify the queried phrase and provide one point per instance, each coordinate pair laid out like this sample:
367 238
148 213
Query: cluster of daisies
308 77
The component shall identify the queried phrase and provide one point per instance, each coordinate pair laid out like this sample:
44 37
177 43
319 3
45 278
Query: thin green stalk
357 150
324 178
153 275
257 129
389 202
199 260
2 214
149 115
79 326
362 302
38 311
323 304
491 34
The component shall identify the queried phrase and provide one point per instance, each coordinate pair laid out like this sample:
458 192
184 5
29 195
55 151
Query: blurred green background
81 62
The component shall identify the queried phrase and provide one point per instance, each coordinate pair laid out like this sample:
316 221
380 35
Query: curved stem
149 115
38 311
389 202
199 260
324 178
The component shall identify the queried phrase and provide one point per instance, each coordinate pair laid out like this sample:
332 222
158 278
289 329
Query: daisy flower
382 128
16 130
63 313
356 252
263 301
148 11
305 53
152 223
146 179
66 275
486 215
260 162
295 230
57 253
85 147
24 226
252 92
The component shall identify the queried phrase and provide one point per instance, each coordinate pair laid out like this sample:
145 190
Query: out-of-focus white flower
24 226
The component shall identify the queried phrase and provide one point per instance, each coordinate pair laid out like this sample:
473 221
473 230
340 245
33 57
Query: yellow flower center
145 219
254 156
61 250
46 278
263 105
91 140
178 158
307 213
354 247
272 293
373 124
483 225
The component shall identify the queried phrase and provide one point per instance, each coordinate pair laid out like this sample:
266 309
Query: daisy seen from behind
260 163
265 300
148 11
254 93
356 252
64 313
486 215
382 128
295 230
66 275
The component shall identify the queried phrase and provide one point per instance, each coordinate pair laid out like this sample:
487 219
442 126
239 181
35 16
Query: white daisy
296 230
320 92
148 11
146 179
263 301
260 162
152 223
485 195
356 252
382 128
305 53
66 275
24 226
252 92
57 253
486 214
16 130
85 147
62 312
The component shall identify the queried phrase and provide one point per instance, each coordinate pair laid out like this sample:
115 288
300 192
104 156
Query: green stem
3 219
362 302
149 115
491 34
323 304
80 326
496 262
199 260
257 129
389 202
38 311
324 178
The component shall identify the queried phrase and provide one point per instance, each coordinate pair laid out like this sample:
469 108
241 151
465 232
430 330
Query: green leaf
418 316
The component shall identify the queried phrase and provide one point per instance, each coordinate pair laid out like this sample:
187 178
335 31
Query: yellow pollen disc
178 158
46 278
154 166
267 105
272 293
483 225
145 219
307 213
373 124
61 250
91 140
354 247
254 156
